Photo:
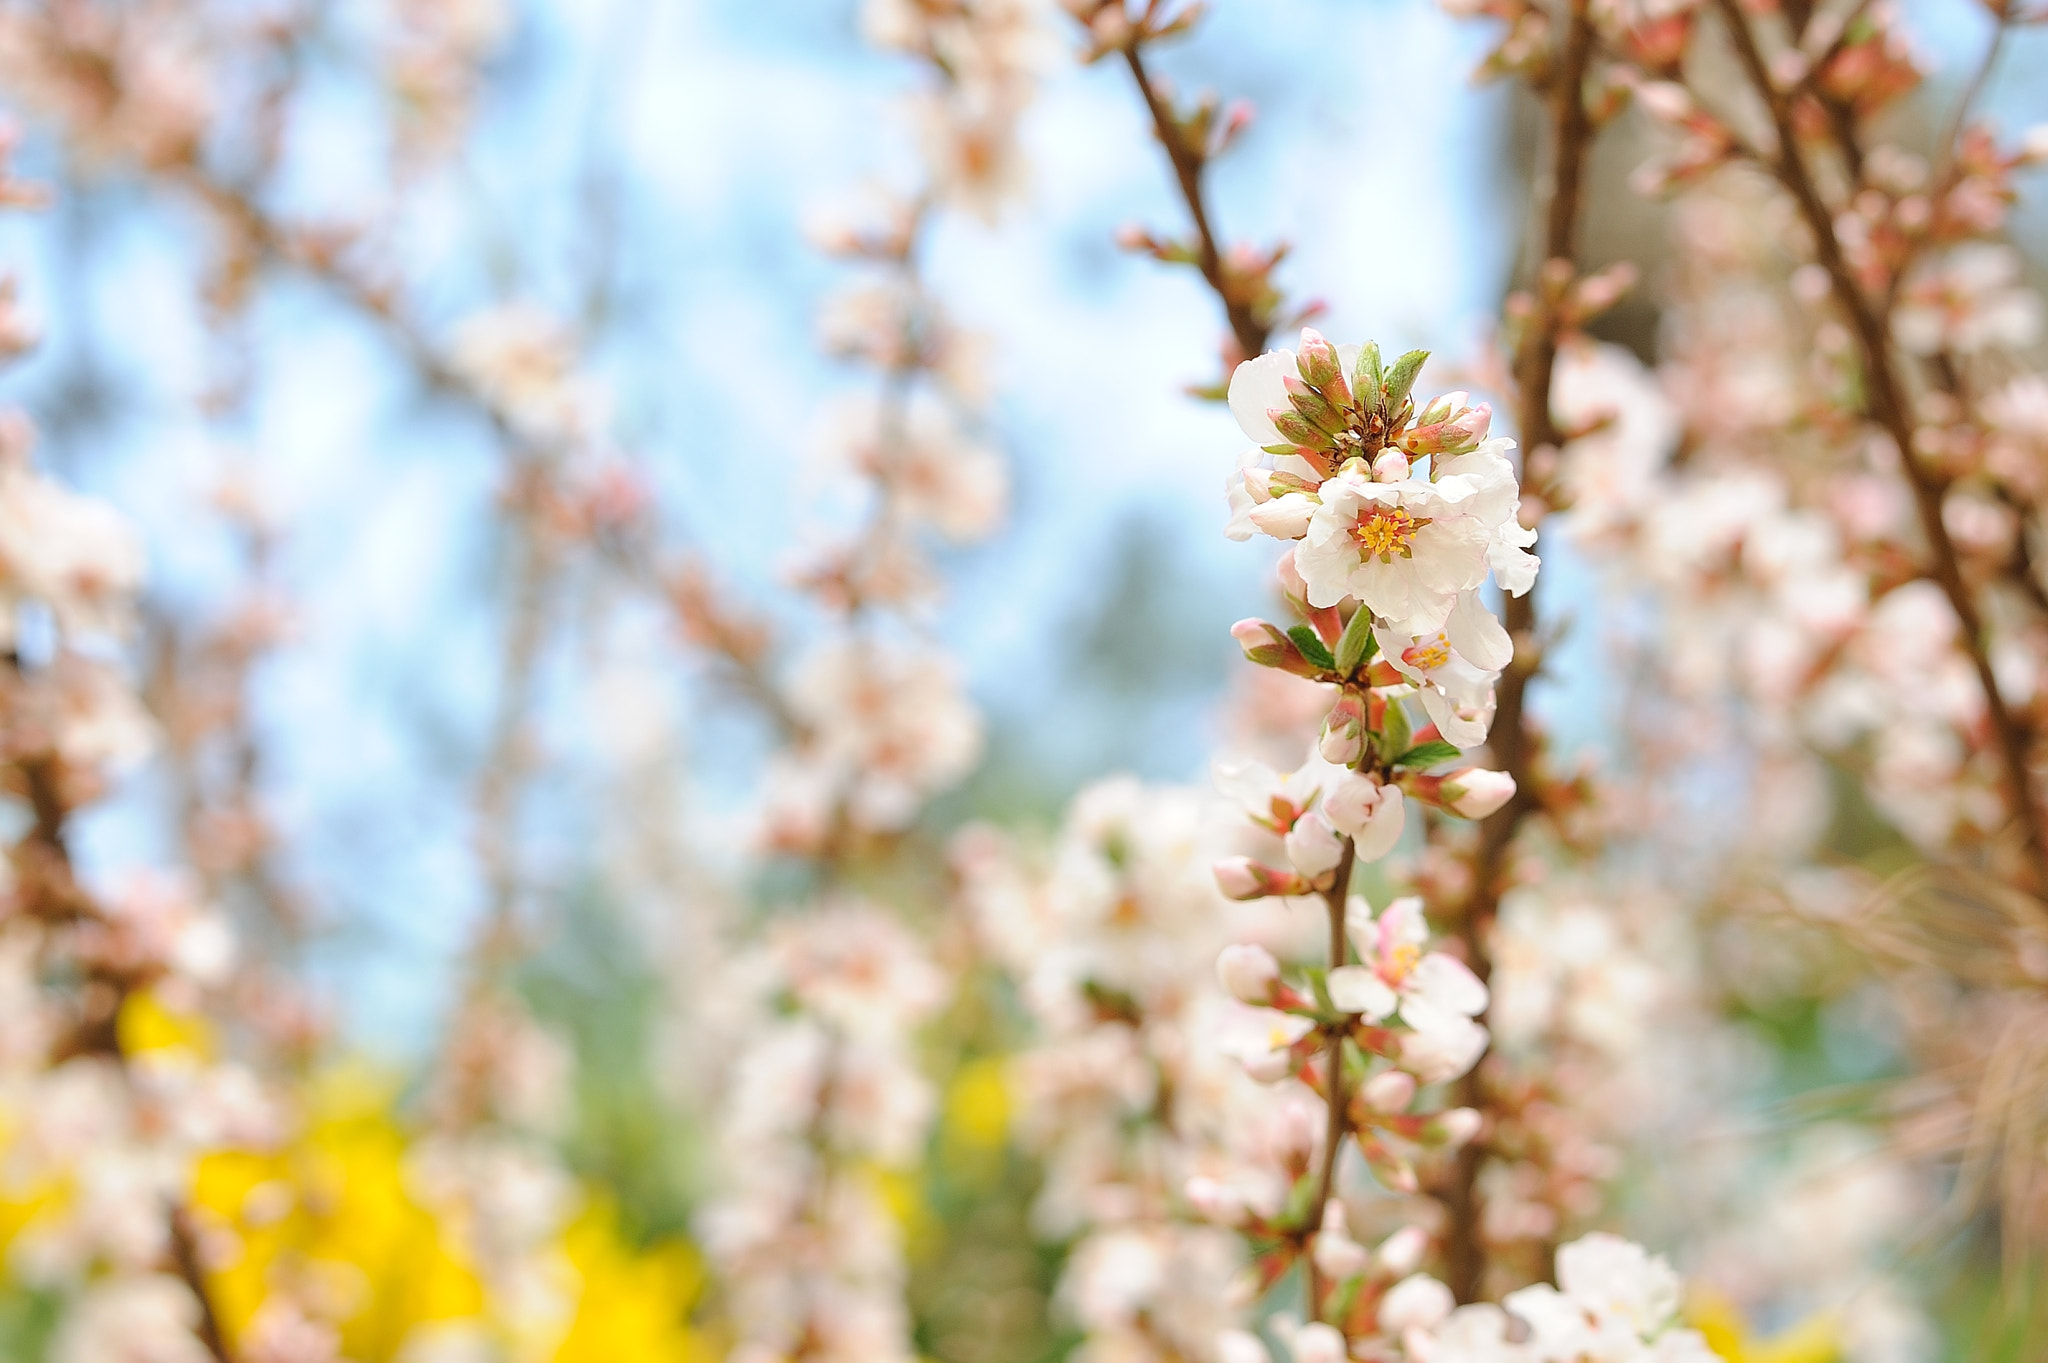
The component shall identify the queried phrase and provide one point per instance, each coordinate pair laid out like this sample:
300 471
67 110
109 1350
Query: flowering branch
1240 278
1514 741
1888 405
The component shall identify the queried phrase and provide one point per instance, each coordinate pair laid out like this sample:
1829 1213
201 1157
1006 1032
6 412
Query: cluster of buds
1397 513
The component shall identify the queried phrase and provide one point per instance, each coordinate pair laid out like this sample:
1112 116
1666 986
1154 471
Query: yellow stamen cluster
1385 531
1427 657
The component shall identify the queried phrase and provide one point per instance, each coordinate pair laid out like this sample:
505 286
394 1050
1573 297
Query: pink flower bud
1214 1200
1475 792
1343 739
1247 972
1389 466
1292 585
1243 878
1285 518
1267 646
1666 100
1295 428
1340 1257
1314 847
1457 430
1389 1091
1459 1125
1317 359
1402 1251
1319 1343
1419 1302
1259 483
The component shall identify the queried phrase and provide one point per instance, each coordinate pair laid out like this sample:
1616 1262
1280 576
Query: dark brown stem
1513 742
1246 328
1338 1126
1887 405
102 1035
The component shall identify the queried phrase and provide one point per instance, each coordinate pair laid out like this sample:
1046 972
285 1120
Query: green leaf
1312 648
1357 643
1394 729
1401 381
1368 378
1424 755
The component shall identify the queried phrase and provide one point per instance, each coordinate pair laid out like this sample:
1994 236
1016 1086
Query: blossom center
1385 531
1428 657
1398 961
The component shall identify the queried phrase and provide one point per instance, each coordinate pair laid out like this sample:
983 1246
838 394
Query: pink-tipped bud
1475 792
1389 1091
1292 585
1317 359
1243 878
1214 1200
1419 1302
1247 972
1259 483
1458 1125
1447 426
1389 466
1339 1257
1319 1343
1343 740
1400 1252
1665 100
1267 646
1295 428
1285 518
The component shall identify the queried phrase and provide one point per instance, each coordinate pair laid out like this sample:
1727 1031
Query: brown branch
1246 327
47 843
1515 744
1339 1124
1886 403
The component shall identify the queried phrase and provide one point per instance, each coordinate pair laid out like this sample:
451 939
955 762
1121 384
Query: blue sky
706 131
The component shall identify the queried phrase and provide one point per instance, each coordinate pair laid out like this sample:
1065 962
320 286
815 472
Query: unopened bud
1339 1257
1292 585
1285 518
1314 406
1475 792
1259 483
1389 466
1419 1302
1389 1091
1214 1200
1243 878
1314 847
1459 430
1319 1343
1247 972
1317 359
1295 428
1458 1125
1343 740
1265 645
1403 1250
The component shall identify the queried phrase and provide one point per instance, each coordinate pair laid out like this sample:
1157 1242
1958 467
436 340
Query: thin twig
1887 405
1246 329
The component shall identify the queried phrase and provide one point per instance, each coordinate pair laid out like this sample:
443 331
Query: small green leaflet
1311 645
1424 755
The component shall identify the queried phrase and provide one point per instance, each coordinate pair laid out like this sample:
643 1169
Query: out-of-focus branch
1888 405
1514 741
1247 328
